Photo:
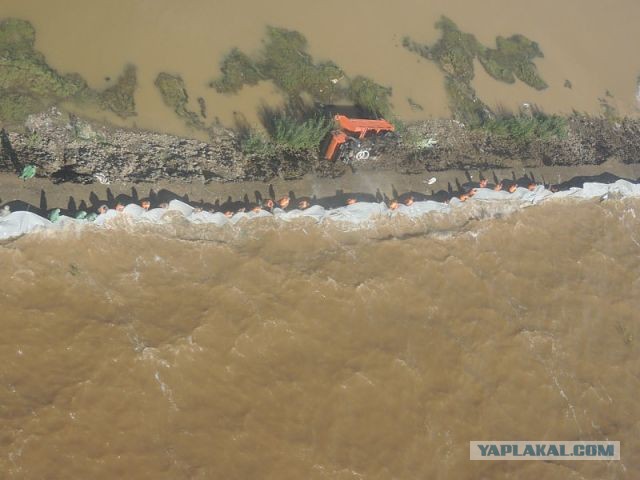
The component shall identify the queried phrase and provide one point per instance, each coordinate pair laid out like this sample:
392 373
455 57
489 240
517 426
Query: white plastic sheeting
19 223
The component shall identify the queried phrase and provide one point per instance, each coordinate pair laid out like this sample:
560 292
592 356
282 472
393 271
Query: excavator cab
349 139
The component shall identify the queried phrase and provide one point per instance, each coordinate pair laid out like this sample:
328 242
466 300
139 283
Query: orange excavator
348 141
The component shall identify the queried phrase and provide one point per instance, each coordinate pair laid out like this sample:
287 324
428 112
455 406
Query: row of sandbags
18 223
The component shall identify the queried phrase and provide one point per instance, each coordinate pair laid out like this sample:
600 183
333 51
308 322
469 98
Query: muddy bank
41 195
65 148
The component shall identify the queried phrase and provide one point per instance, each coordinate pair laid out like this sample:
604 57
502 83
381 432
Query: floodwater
591 43
307 351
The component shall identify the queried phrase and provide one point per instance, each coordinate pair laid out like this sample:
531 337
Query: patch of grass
527 126
174 94
257 143
15 107
294 134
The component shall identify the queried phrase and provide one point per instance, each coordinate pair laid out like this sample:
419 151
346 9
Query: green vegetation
455 53
237 70
527 125
513 58
286 132
255 142
174 95
463 102
28 84
293 134
284 60
370 96
119 98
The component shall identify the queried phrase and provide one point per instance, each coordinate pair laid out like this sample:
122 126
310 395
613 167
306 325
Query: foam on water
356 216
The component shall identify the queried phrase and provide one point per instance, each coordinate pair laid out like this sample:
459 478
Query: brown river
309 351
591 43
265 351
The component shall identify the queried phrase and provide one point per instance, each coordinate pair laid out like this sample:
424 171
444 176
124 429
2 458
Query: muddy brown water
306 351
591 43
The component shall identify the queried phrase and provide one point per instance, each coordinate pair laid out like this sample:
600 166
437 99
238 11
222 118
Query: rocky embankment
65 148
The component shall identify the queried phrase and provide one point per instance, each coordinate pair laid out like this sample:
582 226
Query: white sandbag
317 212
105 217
153 215
417 209
238 217
208 217
520 193
593 190
488 194
259 214
358 212
539 194
625 188
19 223
133 210
178 206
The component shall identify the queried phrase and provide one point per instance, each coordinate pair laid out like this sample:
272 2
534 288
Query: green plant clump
237 70
119 98
513 59
524 127
291 133
285 61
369 95
455 52
29 85
174 95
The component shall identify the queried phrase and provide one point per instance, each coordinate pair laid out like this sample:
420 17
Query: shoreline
41 194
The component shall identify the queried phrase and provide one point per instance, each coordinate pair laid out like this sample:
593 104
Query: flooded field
590 44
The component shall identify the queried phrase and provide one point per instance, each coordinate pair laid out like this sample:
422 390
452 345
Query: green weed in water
174 95
29 85
455 52
284 60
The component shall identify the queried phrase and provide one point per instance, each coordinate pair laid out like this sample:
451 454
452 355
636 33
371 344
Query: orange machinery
352 126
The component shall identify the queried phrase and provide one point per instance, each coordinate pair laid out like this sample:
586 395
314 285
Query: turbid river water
306 351
591 43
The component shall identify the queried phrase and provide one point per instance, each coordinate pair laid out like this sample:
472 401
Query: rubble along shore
65 148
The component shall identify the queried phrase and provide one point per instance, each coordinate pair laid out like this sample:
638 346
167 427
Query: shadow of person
71 206
43 201
20 206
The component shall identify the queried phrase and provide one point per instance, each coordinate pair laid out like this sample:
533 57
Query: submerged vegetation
119 97
28 84
174 94
284 60
455 52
